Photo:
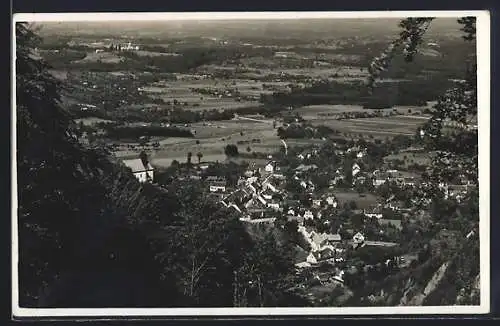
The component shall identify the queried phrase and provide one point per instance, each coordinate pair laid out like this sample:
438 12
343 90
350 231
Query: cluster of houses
381 177
261 196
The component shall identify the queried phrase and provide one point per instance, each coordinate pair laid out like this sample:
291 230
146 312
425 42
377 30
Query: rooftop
303 167
136 165
322 237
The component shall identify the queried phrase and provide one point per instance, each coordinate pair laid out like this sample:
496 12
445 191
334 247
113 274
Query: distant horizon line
237 15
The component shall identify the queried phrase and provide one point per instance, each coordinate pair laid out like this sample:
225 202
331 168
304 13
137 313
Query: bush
231 150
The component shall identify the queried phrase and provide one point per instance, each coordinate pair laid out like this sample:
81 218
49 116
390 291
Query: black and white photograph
250 163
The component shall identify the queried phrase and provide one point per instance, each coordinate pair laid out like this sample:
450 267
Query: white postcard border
483 79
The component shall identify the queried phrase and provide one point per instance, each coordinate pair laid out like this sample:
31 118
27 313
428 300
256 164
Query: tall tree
231 150
71 226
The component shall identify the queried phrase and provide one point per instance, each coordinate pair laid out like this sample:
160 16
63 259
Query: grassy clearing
411 158
104 57
210 139
383 126
181 91
363 201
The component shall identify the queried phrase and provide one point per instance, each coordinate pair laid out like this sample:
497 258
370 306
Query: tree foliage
231 150
456 161
90 235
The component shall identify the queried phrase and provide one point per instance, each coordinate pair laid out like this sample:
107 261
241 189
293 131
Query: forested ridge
91 236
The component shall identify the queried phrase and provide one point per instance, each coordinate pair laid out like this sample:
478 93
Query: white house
331 201
308 215
361 154
317 202
275 206
217 187
358 238
340 276
142 170
252 180
355 169
267 193
311 259
377 182
373 213
267 196
270 167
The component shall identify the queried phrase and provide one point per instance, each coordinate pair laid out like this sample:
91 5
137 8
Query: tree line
412 93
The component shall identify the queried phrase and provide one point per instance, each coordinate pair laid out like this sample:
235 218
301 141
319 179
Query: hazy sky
289 27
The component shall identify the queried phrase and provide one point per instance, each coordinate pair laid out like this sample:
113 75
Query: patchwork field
258 135
211 138
258 67
411 158
326 115
363 201
104 57
315 111
182 92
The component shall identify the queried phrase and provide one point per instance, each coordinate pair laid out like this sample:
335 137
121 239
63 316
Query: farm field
258 135
315 111
257 67
210 139
318 110
181 92
363 201
424 158
380 126
104 57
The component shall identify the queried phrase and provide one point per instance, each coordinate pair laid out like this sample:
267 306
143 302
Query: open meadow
327 115
363 201
211 138
184 93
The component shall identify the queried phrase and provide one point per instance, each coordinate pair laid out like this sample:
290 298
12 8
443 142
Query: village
333 211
